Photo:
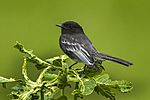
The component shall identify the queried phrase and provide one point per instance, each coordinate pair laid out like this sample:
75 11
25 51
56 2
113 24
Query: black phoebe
78 47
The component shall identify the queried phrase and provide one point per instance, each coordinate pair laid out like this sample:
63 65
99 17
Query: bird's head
70 27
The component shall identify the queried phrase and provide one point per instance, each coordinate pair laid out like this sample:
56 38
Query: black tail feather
101 56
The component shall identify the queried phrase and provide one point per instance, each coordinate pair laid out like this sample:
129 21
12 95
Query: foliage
56 75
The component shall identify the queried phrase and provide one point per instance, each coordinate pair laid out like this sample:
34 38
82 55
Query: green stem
62 92
75 97
42 94
24 71
76 87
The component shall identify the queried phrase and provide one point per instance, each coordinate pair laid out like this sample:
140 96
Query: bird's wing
77 49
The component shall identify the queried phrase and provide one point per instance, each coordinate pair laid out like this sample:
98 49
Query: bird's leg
85 67
95 67
102 67
84 71
72 65
100 63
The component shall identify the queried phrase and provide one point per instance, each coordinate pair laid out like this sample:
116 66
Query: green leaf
48 85
48 77
88 88
64 57
122 85
57 61
50 93
72 79
18 89
103 87
107 87
39 63
4 80
102 79
61 57
105 91
62 80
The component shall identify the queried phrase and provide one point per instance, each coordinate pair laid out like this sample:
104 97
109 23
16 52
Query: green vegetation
56 76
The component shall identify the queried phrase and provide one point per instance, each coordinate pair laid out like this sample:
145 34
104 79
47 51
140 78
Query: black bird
79 48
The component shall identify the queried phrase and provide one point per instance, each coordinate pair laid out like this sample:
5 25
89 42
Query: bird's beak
60 25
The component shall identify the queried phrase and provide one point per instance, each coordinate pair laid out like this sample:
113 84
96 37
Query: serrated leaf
62 80
51 92
50 84
85 87
64 57
49 77
89 86
18 90
72 79
102 79
6 80
105 91
106 86
39 63
59 58
123 85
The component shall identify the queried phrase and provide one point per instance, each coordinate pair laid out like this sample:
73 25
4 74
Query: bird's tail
100 56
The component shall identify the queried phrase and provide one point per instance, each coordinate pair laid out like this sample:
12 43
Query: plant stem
42 94
62 92
76 87
75 97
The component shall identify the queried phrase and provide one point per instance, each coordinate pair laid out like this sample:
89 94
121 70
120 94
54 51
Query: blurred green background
117 27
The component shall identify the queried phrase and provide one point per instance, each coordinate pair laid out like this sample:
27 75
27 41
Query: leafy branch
56 76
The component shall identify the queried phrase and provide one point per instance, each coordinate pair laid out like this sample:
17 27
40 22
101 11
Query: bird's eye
68 26
71 27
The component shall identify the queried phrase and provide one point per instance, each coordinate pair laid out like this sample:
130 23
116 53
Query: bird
75 44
